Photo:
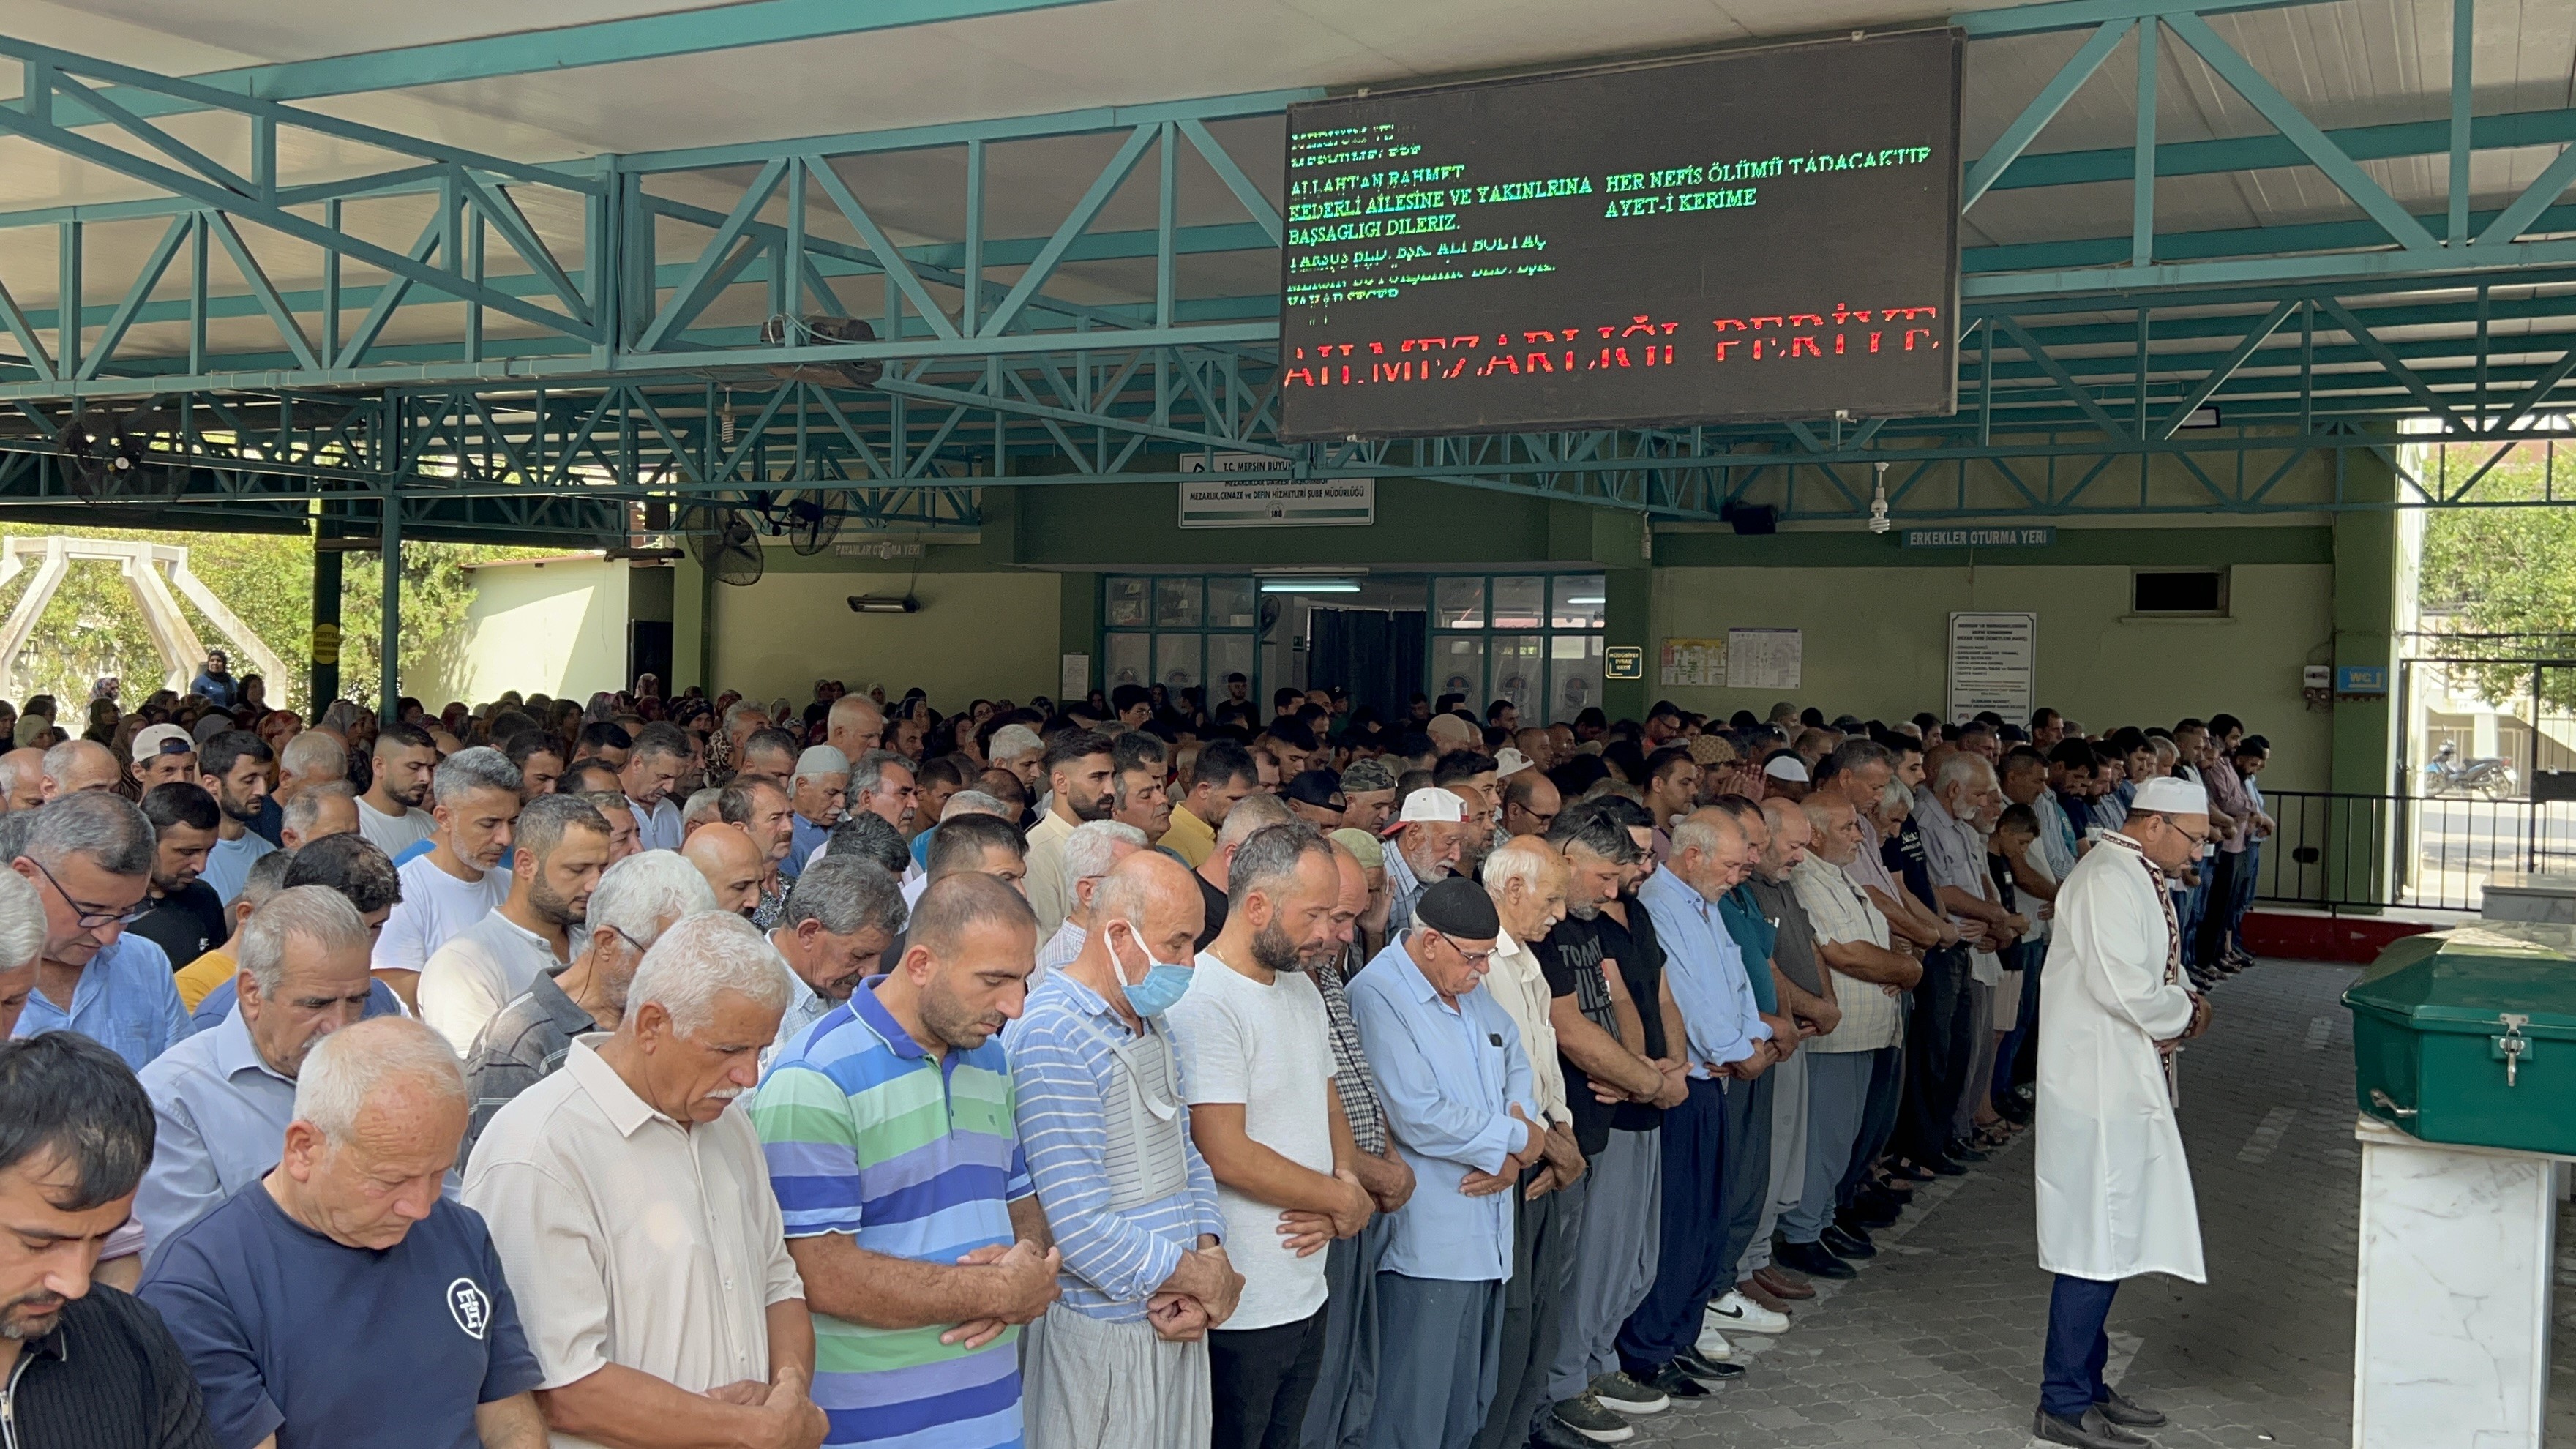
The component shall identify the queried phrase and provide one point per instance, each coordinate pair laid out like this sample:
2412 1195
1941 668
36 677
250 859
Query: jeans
2078 1345
1937 1048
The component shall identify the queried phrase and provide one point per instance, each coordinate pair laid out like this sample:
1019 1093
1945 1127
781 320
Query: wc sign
1219 501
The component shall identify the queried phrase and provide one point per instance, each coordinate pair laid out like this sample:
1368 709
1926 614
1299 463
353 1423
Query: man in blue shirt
341 1301
1729 1046
90 860
1462 1109
222 1099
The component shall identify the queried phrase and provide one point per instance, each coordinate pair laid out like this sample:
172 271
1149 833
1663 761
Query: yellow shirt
1189 837
203 975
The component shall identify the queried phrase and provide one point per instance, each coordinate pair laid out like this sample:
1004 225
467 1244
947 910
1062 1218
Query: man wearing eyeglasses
2115 1196
1463 1108
90 859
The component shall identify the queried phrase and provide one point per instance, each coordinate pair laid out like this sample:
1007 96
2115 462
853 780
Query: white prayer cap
2172 797
1787 767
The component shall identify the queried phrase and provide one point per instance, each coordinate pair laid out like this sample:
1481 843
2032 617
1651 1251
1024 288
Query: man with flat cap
1462 1108
2115 1195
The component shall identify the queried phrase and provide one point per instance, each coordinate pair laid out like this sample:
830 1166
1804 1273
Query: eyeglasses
85 915
1474 958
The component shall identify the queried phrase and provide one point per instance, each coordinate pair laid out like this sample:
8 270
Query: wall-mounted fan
725 543
110 455
811 525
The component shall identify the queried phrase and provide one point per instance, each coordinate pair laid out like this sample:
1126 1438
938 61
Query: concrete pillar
693 660
326 616
2364 836
1078 626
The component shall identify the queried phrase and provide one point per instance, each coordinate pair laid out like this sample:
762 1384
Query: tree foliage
92 626
2509 571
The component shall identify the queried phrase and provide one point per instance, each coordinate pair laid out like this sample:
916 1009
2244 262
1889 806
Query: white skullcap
2170 796
1787 767
821 760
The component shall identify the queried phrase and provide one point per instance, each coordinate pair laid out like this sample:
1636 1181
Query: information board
1768 234
1220 502
1994 664
1765 658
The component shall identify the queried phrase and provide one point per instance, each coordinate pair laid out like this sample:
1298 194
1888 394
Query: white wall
1876 644
557 627
989 636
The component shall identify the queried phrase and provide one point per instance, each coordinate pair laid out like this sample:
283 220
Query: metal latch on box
2512 1047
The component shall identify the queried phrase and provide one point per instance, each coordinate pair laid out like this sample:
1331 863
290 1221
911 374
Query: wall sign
1695 663
1270 502
1074 679
1765 658
1994 664
1980 537
2361 679
1623 661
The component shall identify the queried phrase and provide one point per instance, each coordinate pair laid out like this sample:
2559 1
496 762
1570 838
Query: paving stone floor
1936 1344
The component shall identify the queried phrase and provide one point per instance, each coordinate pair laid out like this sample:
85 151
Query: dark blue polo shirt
333 1347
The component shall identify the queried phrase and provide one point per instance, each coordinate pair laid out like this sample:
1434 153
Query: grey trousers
1614 1259
1439 1345
1543 1234
1095 1385
1980 1085
1837 1104
1788 1158
1337 1417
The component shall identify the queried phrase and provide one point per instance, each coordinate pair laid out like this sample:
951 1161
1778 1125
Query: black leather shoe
1672 1381
2090 1432
2116 1407
1843 1245
1851 1225
1879 1199
1705 1369
1964 1150
1946 1167
1812 1259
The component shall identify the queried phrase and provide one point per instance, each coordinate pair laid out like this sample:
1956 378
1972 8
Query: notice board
1766 234
1994 664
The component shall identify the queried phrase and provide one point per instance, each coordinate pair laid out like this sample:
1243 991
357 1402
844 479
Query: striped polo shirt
913 1157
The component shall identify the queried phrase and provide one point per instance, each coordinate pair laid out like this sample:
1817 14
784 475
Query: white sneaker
1712 1343
1739 1314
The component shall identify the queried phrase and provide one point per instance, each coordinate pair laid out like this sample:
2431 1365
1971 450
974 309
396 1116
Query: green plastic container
2469 1036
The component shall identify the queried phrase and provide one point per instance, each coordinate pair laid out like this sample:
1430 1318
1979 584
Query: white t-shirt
469 979
435 908
393 834
1269 1048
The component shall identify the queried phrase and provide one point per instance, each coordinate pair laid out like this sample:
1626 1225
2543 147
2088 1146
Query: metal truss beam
633 369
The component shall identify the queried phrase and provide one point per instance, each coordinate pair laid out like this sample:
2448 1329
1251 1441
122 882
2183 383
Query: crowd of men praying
1121 1072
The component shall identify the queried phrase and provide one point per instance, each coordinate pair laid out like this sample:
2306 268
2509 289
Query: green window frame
1531 637
1180 631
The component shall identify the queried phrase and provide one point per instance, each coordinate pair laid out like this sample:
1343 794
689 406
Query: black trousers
1878 1123
2216 916
1260 1380
1938 1050
1543 1232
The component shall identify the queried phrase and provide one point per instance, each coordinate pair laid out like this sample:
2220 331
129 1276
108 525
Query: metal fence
2336 850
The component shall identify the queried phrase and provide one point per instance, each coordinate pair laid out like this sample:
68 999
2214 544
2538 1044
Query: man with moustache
1081 768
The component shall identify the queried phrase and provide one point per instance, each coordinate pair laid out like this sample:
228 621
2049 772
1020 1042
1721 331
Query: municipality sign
1221 502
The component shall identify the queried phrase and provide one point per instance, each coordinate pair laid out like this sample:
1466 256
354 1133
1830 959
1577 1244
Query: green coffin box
2469 1036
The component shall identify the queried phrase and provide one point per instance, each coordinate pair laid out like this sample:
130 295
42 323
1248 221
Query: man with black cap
1463 1108
1316 797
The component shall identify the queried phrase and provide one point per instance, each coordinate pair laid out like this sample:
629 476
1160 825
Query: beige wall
557 627
977 635
1876 644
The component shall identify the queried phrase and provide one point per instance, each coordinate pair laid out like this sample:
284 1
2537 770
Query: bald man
79 765
732 862
22 780
855 726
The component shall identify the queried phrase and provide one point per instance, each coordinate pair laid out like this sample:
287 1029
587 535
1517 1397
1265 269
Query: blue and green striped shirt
913 1157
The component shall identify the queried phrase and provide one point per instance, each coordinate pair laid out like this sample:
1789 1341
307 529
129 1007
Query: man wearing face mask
2115 1197
695 1332
1121 1358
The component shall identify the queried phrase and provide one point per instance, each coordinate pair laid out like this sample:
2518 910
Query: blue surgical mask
1164 984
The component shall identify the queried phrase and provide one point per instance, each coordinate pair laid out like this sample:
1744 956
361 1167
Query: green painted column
326 619
2362 842
693 660
1629 606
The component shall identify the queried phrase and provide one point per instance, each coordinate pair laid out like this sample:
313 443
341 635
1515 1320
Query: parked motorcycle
2489 775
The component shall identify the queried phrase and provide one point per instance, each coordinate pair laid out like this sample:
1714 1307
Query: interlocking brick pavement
1936 1344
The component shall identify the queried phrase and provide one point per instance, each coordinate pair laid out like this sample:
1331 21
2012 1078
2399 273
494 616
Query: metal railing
2333 851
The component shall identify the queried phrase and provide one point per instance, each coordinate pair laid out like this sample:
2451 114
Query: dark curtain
1375 654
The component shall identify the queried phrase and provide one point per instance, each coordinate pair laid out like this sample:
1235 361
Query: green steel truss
557 342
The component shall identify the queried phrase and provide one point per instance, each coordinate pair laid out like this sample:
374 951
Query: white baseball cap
1430 805
1509 762
162 739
